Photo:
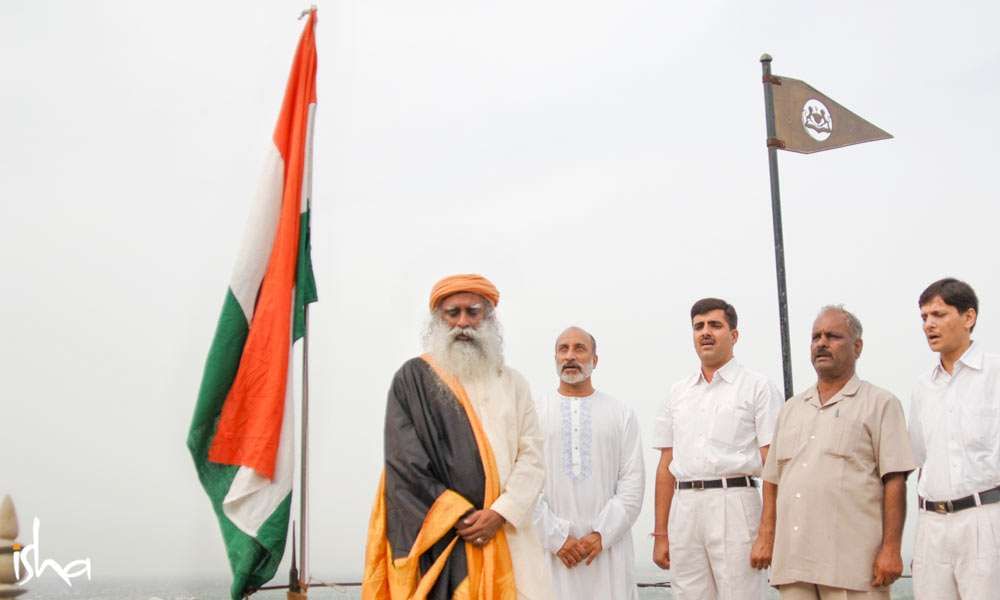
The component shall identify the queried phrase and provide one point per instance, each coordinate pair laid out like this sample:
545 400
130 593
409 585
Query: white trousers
711 533
811 591
957 555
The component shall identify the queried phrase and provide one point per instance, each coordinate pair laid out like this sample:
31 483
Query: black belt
950 506
717 483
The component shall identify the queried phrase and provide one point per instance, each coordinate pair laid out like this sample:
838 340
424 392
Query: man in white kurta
594 480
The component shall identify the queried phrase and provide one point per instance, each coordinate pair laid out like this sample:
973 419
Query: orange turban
476 284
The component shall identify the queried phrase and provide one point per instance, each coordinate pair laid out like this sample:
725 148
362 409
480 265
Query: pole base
297 596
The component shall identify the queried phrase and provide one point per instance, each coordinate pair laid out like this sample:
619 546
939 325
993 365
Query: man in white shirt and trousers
713 434
955 434
594 479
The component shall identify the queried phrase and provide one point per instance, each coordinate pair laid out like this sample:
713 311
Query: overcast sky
602 163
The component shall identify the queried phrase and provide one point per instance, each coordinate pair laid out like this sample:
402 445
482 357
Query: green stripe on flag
254 561
305 281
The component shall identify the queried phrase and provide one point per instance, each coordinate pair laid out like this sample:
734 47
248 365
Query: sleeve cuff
555 541
509 510
903 467
661 442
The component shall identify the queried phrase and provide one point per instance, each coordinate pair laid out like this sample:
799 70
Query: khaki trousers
956 556
811 591
711 533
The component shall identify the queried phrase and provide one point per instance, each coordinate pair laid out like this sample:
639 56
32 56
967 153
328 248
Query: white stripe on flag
262 225
307 165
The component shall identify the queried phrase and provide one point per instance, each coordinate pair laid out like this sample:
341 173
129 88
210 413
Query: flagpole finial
307 12
765 57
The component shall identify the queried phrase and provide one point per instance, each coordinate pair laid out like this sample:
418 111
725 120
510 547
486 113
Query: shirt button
812 437
804 465
798 495
796 528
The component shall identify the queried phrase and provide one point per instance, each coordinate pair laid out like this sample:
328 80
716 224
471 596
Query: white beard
581 375
469 360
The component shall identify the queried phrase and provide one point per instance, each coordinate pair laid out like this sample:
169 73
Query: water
207 589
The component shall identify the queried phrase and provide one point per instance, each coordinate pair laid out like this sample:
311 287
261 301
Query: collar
849 390
973 359
727 372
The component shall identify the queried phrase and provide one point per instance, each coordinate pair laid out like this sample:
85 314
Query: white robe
505 409
594 482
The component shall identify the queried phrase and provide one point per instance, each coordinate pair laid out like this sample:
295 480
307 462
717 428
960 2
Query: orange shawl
490 571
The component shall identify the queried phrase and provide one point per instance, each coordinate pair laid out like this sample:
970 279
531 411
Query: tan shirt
828 462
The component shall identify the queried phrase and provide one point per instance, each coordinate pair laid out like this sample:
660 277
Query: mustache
468 333
819 353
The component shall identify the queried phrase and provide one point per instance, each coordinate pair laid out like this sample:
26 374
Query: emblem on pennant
816 120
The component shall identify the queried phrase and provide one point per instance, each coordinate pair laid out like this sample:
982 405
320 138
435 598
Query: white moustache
473 334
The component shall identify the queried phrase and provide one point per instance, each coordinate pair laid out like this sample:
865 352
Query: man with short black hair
713 433
955 432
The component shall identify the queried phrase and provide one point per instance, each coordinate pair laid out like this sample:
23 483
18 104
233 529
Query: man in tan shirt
835 479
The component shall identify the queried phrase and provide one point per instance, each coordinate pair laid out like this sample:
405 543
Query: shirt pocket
980 427
848 439
787 444
733 425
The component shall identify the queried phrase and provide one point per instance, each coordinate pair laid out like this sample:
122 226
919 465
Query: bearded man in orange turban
463 465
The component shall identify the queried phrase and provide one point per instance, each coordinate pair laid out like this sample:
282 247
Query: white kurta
505 409
594 482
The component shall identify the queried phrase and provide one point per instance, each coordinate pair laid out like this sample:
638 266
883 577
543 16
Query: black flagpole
779 244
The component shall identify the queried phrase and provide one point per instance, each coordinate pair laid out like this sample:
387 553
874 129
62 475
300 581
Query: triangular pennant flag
808 121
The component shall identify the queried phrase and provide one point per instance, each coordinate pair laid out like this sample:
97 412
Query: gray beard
469 360
581 375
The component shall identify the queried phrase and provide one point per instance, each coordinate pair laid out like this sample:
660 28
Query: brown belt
950 506
717 483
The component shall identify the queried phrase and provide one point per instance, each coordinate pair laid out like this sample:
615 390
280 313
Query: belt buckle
941 507
698 485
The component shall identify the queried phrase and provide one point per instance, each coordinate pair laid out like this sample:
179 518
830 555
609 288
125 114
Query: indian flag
241 433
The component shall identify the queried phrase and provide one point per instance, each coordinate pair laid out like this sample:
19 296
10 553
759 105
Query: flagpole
779 245
304 453
304 476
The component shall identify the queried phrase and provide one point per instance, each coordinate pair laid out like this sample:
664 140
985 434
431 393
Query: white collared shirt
955 427
717 429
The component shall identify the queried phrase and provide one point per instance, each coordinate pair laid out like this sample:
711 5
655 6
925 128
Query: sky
603 163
